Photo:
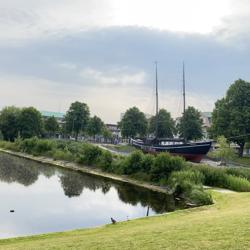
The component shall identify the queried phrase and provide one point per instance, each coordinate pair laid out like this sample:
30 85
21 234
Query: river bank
85 169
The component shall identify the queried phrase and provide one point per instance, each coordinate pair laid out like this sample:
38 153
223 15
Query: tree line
28 122
135 124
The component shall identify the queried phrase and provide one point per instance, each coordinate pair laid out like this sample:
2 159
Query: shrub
43 146
64 155
91 155
133 163
212 176
106 160
188 184
28 145
182 181
164 164
199 197
147 162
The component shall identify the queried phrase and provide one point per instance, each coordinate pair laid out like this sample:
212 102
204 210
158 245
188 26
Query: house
207 122
59 116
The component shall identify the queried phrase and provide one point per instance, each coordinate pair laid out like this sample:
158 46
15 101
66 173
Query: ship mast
157 104
184 88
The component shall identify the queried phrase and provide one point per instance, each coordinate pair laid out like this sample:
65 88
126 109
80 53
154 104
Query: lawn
121 148
243 160
224 225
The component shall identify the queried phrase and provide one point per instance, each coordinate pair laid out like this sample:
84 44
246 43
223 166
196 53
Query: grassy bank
224 225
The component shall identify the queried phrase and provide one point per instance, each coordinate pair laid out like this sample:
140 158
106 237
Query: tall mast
184 88
156 93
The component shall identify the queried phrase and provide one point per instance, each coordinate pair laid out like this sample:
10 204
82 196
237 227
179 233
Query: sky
102 52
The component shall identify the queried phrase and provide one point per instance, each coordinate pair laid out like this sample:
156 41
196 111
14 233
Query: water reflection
55 199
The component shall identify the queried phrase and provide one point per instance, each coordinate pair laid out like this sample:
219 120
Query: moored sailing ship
191 151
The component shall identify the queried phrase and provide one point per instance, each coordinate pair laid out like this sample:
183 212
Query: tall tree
51 126
31 123
9 122
190 126
166 125
77 118
133 123
95 126
231 116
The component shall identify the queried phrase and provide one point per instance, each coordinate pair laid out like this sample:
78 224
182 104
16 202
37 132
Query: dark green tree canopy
166 125
133 123
77 118
231 116
190 126
30 121
51 125
95 126
9 123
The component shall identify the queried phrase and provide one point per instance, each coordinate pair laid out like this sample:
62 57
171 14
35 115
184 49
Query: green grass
244 160
224 225
121 148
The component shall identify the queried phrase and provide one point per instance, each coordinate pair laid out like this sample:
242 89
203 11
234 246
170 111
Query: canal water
49 199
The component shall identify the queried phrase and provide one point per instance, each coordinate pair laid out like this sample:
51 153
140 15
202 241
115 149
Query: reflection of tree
73 183
133 195
47 171
13 169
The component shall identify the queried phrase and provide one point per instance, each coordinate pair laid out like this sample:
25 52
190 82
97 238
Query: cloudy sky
102 52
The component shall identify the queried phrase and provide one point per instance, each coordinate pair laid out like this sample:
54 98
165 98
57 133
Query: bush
199 197
188 184
91 155
106 160
212 176
147 162
164 164
64 155
182 181
133 163
43 146
28 145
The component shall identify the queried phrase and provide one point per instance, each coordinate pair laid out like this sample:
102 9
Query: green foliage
166 125
133 123
147 162
64 155
190 126
77 117
231 116
199 197
133 163
30 122
1 135
106 133
9 123
95 126
188 183
51 126
91 155
165 164
224 152
106 160
234 179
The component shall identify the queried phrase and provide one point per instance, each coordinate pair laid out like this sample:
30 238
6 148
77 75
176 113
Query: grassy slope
224 225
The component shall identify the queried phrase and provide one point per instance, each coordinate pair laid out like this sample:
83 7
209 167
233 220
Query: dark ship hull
191 151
